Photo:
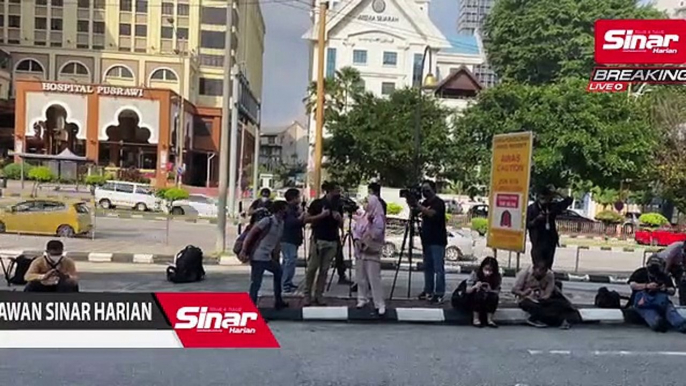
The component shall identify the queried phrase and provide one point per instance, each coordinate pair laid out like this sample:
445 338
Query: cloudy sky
286 55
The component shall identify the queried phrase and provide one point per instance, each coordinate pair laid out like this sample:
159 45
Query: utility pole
319 112
181 119
224 137
233 152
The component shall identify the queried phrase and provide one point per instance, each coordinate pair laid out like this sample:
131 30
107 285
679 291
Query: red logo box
640 41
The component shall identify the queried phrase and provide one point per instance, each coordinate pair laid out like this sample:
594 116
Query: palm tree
350 87
310 100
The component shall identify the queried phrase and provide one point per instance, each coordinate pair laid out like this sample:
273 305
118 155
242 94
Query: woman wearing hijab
369 236
481 295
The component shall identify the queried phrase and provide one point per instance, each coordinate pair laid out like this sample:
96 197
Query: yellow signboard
509 194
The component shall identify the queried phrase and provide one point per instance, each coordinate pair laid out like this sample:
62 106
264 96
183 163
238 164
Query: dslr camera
412 195
349 205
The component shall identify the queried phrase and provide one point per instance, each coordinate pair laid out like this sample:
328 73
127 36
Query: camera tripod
347 240
408 240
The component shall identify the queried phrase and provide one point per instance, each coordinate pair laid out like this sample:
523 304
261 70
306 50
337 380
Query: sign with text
640 41
510 174
71 88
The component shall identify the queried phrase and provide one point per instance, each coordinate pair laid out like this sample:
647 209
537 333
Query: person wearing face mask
651 288
534 287
434 240
481 294
540 222
368 233
261 203
52 272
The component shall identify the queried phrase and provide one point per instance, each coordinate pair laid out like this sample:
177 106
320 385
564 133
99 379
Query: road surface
319 354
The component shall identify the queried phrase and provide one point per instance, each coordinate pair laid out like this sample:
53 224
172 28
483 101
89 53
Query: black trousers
482 302
551 311
340 261
544 250
36 286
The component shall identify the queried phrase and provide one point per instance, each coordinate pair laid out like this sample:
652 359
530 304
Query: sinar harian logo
378 6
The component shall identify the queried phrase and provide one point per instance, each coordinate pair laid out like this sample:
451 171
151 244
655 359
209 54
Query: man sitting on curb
535 289
52 272
651 288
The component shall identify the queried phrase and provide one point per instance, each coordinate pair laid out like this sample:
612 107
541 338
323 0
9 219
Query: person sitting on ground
52 272
536 291
481 293
651 287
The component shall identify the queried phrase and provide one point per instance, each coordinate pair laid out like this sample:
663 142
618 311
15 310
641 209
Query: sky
286 56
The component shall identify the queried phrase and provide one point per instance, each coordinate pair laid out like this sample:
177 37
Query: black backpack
188 266
608 299
457 300
21 265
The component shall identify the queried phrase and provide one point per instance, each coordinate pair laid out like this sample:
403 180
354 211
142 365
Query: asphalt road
320 354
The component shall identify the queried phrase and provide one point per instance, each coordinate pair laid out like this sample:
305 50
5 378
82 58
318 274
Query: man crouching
52 272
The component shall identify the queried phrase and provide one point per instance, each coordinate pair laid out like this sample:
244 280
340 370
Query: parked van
124 194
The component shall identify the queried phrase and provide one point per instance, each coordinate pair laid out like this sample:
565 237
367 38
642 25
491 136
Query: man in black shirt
292 237
327 219
375 189
261 203
651 288
540 222
434 240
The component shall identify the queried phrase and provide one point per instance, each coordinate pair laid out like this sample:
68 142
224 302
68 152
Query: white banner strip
89 339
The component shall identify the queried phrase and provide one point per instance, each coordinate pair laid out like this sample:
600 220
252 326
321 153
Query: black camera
349 205
412 195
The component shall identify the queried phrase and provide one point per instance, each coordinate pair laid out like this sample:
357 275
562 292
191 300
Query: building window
214 16
167 33
141 6
387 88
99 4
330 62
74 68
417 70
201 127
30 65
2 22
164 74
82 46
41 43
14 21
211 60
41 23
57 3
55 44
82 26
141 30
84 4
211 87
212 39
39 2
119 72
182 33
390 59
360 57
98 27
56 24
125 5
125 29
167 8
183 10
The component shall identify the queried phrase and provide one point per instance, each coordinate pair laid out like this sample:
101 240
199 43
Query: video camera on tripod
349 205
412 195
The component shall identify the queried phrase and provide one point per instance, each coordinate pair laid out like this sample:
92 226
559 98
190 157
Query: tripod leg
400 259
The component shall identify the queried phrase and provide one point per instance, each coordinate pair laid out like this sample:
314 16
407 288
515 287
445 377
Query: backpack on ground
608 299
457 300
17 269
187 267
238 244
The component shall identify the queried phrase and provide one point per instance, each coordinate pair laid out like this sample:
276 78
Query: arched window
30 65
164 74
119 72
74 68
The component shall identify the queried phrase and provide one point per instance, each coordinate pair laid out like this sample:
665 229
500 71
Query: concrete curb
386 264
505 316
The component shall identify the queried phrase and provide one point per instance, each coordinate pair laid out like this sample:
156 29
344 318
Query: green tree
539 41
40 175
375 139
341 92
578 136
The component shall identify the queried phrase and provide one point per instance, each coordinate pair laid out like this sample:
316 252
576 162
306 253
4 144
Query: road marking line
560 352
640 353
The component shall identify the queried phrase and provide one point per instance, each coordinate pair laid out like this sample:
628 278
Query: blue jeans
289 252
434 268
257 269
652 316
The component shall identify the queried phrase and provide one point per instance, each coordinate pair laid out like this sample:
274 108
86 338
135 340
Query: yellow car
64 218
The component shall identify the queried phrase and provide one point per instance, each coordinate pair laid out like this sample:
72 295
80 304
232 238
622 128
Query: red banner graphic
640 41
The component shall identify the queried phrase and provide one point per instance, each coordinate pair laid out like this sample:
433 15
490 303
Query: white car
195 205
460 245
125 194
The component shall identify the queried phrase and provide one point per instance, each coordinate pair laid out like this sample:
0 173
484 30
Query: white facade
675 9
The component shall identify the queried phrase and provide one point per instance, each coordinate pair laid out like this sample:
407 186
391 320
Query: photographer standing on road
434 240
292 237
327 219
540 222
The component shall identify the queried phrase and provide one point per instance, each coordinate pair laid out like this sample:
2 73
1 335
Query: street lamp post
424 82
181 125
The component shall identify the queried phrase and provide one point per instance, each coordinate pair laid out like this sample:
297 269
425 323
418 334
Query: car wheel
141 207
105 203
3 229
453 254
176 211
388 250
65 231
